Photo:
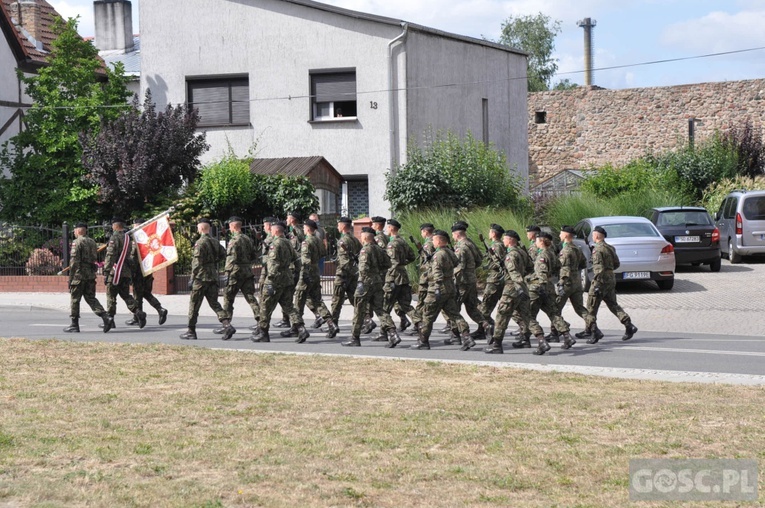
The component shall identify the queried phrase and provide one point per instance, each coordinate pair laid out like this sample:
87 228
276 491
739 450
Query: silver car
741 221
643 252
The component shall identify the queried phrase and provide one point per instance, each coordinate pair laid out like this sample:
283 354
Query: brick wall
588 127
164 283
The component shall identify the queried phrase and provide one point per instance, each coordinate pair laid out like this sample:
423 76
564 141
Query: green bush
716 192
226 187
637 175
454 173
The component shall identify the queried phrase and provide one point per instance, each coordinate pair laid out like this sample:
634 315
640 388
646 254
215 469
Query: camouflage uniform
373 263
263 268
122 288
398 291
294 234
495 282
528 261
542 291
82 276
240 256
142 285
572 261
346 272
465 275
422 290
441 294
515 297
308 289
278 284
603 287
204 273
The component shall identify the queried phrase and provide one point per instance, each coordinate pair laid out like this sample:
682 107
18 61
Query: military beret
378 219
535 229
568 229
280 223
269 220
459 226
496 227
81 225
426 225
545 234
441 232
294 214
310 223
204 220
599 229
367 229
116 220
234 218
513 234
394 223
345 220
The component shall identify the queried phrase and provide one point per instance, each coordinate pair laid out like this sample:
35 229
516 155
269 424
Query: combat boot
292 332
108 322
261 336
454 340
369 325
542 347
284 323
74 327
256 332
228 330
318 323
405 323
354 342
479 334
524 341
629 331
191 334
553 336
416 329
302 334
101 325
421 344
219 331
494 347
141 317
467 342
132 321
568 341
584 334
381 337
596 335
162 315
393 339
332 328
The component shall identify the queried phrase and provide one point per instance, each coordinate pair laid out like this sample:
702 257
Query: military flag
155 243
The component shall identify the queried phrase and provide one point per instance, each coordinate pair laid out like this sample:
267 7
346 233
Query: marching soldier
82 278
294 234
442 293
426 254
378 226
373 263
346 269
532 232
603 289
569 287
277 286
142 285
117 275
204 281
495 277
398 291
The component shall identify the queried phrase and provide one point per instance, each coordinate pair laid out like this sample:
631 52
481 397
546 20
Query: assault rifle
424 257
493 255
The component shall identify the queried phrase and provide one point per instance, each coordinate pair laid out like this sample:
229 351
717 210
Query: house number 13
373 104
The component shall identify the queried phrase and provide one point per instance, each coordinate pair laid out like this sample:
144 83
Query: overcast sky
627 32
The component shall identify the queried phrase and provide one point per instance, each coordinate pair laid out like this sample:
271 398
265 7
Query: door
753 221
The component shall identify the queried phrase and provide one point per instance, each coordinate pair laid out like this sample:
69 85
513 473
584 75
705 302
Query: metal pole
691 132
65 253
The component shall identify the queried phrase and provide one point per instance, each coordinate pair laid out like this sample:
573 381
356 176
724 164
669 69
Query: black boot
260 337
108 322
318 323
454 340
332 329
542 347
393 338
284 323
191 334
133 321
354 342
369 325
629 331
74 327
479 334
553 336
568 341
405 323
494 347
141 317
421 344
584 334
381 337
524 341
219 331
596 335
162 315
467 342
228 330
292 332
302 334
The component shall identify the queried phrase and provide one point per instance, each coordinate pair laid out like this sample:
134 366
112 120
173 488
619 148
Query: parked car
741 221
643 252
691 230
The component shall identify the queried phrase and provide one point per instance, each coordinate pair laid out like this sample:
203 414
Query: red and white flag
156 245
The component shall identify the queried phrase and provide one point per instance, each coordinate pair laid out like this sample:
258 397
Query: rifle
493 255
424 257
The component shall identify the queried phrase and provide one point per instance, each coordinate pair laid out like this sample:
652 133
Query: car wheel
585 279
666 285
715 265
732 255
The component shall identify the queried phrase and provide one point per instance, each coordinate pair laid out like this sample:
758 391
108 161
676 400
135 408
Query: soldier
515 297
442 293
308 289
346 269
204 281
541 292
321 234
373 263
398 290
293 233
426 253
465 275
82 278
277 284
240 256
603 289
569 286
495 277
142 285
378 226
117 275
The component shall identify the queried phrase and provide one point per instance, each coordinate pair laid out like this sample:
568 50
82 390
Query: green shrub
226 187
716 192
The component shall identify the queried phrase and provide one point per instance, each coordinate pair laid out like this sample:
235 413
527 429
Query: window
220 101
754 208
327 202
540 117
333 94
730 209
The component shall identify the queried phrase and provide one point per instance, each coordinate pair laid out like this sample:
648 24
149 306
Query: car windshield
754 208
684 218
629 230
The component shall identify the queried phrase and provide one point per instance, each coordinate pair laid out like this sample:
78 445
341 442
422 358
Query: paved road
709 328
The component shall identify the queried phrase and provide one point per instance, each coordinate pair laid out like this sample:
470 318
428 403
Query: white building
299 78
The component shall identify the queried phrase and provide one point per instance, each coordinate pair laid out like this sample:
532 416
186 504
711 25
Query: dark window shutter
337 87
221 101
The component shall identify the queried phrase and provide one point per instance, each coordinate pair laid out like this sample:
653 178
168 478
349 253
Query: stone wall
588 127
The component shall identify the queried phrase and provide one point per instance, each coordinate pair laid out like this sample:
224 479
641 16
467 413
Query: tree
72 94
142 154
565 84
536 36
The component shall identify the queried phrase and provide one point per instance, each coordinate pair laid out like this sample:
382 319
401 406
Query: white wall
9 89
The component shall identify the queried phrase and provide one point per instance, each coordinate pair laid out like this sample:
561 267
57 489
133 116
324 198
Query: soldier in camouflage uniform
117 275
294 234
470 259
603 289
373 264
308 289
82 277
204 281
569 286
346 269
277 287
240 256
381 239
495 276
398 290
531 253
442 293
142 285
515 297
426 254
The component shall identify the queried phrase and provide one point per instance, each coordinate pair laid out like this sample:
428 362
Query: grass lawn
126 425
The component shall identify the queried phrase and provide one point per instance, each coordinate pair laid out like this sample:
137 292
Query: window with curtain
333 94
220 101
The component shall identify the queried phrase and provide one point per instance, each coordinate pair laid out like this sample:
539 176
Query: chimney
588 24
114 25
28 16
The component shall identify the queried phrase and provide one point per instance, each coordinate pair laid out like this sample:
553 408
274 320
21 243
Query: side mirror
717 215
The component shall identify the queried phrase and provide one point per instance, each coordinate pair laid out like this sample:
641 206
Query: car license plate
687 239
637 275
